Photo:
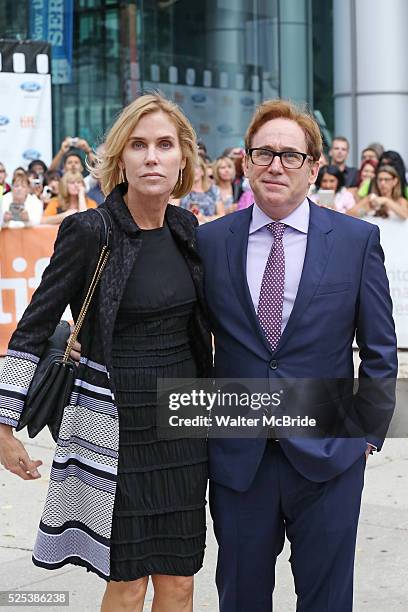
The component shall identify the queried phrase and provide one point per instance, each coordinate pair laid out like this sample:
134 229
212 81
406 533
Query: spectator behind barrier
224 176
369 154
19 208
72 162
70 144
36 183
4 187
386 199
339 152
202 150
19 171
39 167
204 199
51 186
237 155
71 199
377 147
365 177
392 158
331 179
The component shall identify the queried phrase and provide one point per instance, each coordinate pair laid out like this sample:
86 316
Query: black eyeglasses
292 160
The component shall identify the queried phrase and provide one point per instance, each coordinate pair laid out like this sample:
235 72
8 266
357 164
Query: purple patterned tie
272 288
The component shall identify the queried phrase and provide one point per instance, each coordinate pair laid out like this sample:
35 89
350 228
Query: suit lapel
319 245
237 247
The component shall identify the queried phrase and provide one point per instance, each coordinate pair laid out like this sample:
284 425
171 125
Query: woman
19 208
4 186
386 199
204 199
331 178
145 514
365 177
393 158
71 199
224 175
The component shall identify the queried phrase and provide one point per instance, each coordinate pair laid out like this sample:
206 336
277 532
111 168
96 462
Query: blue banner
52 20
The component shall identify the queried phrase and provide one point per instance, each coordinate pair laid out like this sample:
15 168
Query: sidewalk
381 557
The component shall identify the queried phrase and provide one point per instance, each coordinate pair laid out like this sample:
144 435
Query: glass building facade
217 58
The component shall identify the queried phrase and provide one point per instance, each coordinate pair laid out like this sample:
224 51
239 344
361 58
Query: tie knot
277 230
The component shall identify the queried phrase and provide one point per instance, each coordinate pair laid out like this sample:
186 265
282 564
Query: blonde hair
283 109
205 181
108 170
216 168
63 195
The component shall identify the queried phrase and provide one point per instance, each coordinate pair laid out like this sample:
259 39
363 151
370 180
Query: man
288 285
67 150
339 152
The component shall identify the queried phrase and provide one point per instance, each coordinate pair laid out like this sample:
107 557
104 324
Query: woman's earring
122 177
181 176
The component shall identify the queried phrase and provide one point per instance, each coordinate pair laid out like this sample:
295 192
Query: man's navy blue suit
314 484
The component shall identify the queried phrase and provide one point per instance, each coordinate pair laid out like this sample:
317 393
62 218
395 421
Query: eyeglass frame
277 154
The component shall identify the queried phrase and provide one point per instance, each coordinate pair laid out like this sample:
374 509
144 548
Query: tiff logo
27 121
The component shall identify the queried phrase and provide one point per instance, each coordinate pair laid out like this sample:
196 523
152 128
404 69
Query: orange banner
24 254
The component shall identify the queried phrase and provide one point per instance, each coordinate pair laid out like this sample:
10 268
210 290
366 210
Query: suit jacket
343 292
77 520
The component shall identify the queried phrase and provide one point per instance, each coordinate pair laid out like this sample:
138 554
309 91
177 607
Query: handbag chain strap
103 258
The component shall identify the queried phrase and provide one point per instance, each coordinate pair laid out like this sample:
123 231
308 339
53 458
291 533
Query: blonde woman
71 199
204 199
122 502
224 175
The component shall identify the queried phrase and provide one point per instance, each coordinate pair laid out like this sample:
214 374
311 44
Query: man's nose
276 165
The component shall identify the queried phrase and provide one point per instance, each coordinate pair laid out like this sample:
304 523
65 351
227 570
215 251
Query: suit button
273 364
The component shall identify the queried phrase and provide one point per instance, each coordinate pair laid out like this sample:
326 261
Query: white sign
25 119
394 240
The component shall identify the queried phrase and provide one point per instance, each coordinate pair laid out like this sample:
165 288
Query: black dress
159 512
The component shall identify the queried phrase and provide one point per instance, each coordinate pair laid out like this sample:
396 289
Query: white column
370 73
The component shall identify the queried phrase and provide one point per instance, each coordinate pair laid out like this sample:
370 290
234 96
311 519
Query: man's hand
369 450
66 144
14 457
84 145
24 216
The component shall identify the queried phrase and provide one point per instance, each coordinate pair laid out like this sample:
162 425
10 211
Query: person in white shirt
19 208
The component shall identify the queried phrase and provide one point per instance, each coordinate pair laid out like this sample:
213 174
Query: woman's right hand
14 457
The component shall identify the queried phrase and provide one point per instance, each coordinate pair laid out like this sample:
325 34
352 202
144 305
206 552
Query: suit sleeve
376 339
61 281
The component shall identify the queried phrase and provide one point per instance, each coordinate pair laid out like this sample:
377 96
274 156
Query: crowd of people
46 195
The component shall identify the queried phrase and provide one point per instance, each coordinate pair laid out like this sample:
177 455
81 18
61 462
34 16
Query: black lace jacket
71 268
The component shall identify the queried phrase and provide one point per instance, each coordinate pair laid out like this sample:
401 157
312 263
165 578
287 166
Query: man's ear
245 164
314 171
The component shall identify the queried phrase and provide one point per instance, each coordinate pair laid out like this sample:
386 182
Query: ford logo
31 154
224 129
247 101
199 98
30 86
4 120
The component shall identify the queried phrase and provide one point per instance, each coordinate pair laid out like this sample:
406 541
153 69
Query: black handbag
53 380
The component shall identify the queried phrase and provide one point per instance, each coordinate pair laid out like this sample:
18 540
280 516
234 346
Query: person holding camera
69 145
19 207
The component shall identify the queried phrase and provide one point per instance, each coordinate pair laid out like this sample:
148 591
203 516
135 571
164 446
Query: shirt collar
298 219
